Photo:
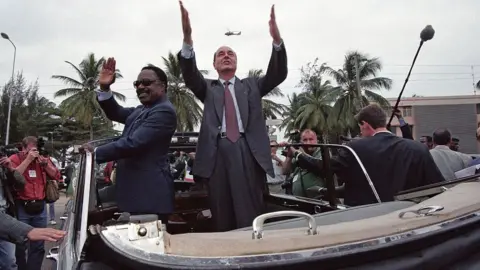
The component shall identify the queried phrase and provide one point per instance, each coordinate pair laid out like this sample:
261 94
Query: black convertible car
434 227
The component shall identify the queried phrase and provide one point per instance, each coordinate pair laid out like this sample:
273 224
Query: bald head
442 136
225 60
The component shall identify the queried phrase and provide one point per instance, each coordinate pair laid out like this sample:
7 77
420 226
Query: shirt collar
383 131
232 80
442 147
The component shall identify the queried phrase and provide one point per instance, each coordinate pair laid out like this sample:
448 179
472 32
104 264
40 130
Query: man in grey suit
233 151
447 160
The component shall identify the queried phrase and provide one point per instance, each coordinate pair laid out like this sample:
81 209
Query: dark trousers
236 186
36 249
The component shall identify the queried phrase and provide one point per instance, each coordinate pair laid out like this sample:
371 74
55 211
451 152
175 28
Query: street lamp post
10 96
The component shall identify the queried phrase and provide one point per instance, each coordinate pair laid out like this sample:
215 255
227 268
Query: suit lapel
218 96
242 101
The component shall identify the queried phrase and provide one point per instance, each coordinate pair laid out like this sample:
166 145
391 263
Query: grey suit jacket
249 93
12 230
449 161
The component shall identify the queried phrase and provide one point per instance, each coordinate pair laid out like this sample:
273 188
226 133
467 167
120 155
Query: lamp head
427 33
5 36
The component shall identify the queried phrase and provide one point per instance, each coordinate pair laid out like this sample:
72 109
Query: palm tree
346 94
270 108
315 109
290 115
81 101
189 112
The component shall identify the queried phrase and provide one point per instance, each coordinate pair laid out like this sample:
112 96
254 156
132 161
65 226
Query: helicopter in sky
233 33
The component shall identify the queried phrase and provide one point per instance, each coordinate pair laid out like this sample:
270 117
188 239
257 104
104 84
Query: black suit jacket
393 164
144 183
249 93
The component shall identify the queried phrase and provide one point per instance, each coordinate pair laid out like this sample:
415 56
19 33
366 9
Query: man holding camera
30 201
302 178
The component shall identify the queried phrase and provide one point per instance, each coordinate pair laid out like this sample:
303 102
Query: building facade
459 114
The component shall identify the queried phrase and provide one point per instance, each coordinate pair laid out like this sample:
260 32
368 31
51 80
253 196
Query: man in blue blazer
144 184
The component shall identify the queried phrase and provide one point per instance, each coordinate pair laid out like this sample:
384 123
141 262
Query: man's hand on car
45 234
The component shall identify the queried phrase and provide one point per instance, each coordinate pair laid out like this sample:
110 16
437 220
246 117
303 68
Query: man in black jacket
394 164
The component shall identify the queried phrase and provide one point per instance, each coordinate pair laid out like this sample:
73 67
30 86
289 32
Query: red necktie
231 122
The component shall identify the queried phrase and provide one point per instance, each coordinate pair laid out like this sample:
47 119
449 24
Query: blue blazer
144 183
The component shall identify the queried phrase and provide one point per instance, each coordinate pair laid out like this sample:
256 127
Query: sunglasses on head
144 82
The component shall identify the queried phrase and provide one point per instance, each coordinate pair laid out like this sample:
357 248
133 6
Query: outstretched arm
191 75
158 126
105 98
277 68
112 109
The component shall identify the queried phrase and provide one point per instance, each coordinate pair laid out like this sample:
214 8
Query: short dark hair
162 76
442 136
374 115
428 138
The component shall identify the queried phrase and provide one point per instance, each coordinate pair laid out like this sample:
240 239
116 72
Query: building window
407 111
478 108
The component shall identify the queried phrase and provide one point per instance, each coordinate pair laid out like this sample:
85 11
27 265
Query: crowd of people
23 206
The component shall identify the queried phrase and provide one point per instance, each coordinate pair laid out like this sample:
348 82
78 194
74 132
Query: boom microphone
426 34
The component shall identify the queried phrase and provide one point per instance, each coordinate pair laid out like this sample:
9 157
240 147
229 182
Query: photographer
10 180
303 179
30 203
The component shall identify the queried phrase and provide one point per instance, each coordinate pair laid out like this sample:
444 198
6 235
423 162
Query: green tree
80 94
28 109
270 108
346 93
189 112
290 115
316 101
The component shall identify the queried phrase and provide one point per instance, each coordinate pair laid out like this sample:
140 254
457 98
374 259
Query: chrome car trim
257 224
152 254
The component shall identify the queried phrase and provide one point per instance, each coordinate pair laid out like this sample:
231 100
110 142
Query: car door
66 254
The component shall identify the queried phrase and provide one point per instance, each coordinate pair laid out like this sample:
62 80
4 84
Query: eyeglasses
144 82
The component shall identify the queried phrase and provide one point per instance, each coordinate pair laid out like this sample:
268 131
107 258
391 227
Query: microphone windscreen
427 33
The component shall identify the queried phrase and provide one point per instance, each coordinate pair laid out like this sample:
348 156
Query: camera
295 138
6 151
41 147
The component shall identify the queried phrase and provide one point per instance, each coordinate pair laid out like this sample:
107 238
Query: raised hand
186 27
107 74
274 32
